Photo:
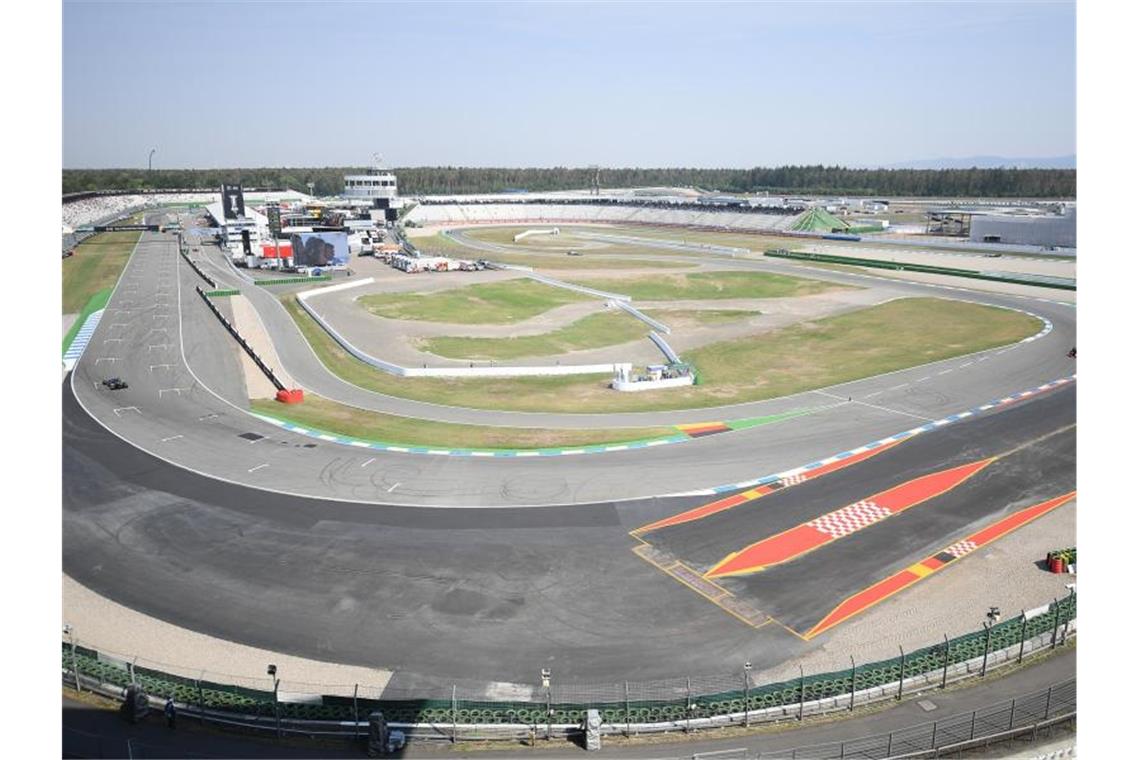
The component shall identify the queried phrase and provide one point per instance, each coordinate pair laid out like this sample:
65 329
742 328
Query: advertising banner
320 249
233 202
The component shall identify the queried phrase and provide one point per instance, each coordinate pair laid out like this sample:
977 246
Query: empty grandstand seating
650 213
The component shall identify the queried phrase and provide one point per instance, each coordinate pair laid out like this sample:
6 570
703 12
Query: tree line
437 180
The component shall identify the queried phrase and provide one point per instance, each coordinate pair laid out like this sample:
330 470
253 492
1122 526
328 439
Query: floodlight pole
149 159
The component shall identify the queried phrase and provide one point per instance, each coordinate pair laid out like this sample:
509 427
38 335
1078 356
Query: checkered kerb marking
792 480
961 549
851 518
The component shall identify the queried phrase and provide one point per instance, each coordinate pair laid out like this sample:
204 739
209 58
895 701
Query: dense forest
427 180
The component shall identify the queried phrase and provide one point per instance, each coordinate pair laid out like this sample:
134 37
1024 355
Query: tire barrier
242 342
197 269
676 704
925 268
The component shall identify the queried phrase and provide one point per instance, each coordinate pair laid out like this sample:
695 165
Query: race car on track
115 383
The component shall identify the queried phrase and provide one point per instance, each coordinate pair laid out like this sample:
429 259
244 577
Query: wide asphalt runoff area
473 571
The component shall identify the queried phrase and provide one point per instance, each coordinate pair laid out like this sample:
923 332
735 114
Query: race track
180 504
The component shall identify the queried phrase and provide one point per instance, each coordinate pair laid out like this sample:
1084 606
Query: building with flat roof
1051 231
377 186
231 227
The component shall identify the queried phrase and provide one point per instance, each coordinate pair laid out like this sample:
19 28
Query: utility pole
149 159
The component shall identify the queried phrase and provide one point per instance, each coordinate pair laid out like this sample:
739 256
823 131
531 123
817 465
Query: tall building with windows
377 186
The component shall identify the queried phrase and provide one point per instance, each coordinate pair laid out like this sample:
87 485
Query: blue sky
634 84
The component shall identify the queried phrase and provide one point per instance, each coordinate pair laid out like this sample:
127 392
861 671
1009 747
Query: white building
376 185
256 223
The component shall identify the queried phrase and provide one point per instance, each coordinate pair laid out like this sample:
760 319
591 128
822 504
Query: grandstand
429 213
87 210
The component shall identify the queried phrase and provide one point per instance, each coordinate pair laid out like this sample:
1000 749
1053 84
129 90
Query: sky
228 84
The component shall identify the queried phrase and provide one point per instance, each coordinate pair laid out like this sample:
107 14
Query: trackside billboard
319 249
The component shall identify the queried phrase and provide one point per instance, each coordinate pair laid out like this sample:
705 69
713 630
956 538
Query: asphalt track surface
184 400
351 568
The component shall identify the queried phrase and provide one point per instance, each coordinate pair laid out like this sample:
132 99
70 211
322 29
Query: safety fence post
1020 650
890 742
934 735
945 658
276 707
1048 702
851 707
747 721
131 669
801 718
201 700
454 715
1012 707
355 707
1056 623
74 660
902 672
688 702
973 722
986 654
627 719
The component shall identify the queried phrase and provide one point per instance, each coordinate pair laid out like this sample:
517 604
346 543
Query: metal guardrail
921 268
626 306
1004 720
241 341
197 269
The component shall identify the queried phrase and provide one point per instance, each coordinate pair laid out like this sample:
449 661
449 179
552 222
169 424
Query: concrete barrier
529 233
634 386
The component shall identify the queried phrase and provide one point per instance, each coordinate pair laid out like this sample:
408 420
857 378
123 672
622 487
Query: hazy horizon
244 85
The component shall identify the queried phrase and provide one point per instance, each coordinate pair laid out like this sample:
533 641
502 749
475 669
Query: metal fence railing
470 711
1024 718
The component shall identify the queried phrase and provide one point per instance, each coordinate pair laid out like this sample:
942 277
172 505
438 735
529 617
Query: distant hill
989 162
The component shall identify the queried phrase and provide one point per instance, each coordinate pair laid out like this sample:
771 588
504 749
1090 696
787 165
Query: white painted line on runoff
171 438
370 461
258 467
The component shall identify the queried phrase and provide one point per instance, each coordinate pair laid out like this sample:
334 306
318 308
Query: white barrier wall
629 386
457 372
529 233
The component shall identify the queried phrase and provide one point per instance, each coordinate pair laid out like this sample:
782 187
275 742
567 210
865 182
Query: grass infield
329 416
884 338
701 286
488 303
608 328
96 266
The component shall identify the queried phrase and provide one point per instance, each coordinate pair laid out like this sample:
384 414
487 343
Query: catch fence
514 710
